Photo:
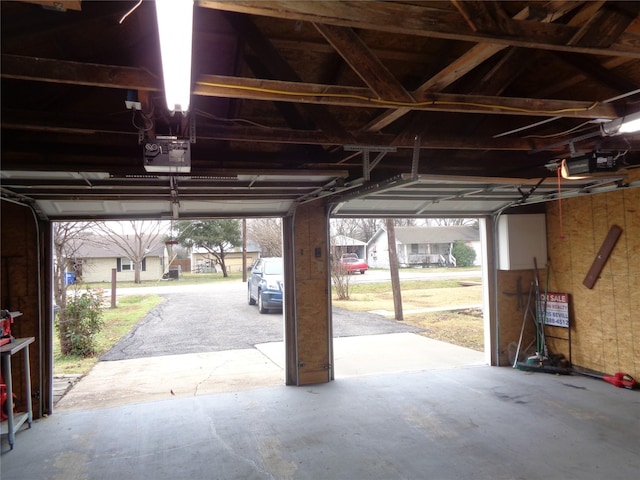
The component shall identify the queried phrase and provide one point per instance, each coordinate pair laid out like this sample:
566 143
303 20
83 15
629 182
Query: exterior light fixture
584 166
627 124
175 29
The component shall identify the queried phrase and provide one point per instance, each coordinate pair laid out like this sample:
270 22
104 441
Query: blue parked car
266 283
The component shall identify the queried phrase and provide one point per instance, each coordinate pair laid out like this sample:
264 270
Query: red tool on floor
618 379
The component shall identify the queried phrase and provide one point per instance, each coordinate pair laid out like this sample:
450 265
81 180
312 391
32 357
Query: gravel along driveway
217 317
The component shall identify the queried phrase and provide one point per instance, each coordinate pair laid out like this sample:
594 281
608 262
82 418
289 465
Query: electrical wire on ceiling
124 17
577 128
148 121
231 120
553 119
394 103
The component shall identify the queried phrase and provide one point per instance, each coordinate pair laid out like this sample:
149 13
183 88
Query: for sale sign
556 307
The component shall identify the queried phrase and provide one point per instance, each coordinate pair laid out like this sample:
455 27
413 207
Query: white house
421 246
94 261
341 244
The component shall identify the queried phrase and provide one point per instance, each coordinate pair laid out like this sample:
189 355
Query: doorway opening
190 332
435 318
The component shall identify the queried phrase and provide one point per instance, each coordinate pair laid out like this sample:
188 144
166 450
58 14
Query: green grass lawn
459 327
117 323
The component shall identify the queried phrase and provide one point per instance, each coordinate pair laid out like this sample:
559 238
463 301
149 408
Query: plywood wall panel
580 220
312 316
605 320
632 229
511 312
608 322
558 242
559 250
624 332
19 277
303 259
615 213
558 280
601 227
634 327
587 330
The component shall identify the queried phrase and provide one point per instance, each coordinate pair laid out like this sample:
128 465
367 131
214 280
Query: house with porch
421 246
341 244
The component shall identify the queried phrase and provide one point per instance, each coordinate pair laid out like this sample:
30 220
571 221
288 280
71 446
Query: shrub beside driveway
117 322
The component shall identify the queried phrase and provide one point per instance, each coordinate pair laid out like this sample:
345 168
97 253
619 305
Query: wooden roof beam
426 21
271 60
110 76
364 63
460 67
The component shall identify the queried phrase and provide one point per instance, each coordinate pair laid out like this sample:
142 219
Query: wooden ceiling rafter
74 73
280 69
485 17
424 21
474 57
364 63
589 68
279 87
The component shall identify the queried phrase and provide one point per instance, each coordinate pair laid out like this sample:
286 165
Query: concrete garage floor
402 406
474 422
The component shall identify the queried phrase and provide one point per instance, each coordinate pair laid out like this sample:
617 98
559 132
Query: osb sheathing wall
515 293
312 293
605 320
20 291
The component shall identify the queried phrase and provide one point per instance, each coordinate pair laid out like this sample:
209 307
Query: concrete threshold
121 382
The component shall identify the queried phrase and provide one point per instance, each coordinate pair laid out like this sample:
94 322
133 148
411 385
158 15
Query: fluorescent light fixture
175 28
627 124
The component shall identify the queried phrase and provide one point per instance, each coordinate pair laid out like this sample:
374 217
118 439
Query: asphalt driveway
217 317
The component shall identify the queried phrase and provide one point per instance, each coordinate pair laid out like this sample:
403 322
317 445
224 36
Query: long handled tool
618 379
542 361
524 320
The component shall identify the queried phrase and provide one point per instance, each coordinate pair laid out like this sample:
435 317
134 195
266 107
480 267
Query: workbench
15 421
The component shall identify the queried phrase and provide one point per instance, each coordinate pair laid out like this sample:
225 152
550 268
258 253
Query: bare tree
347 227
339 275
267 233
359 228
369 227
452 222
68 238
135 239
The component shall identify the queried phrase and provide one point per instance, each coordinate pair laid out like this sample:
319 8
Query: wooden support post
393 269
113 288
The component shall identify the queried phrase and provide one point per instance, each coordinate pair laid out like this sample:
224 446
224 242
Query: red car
353 264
